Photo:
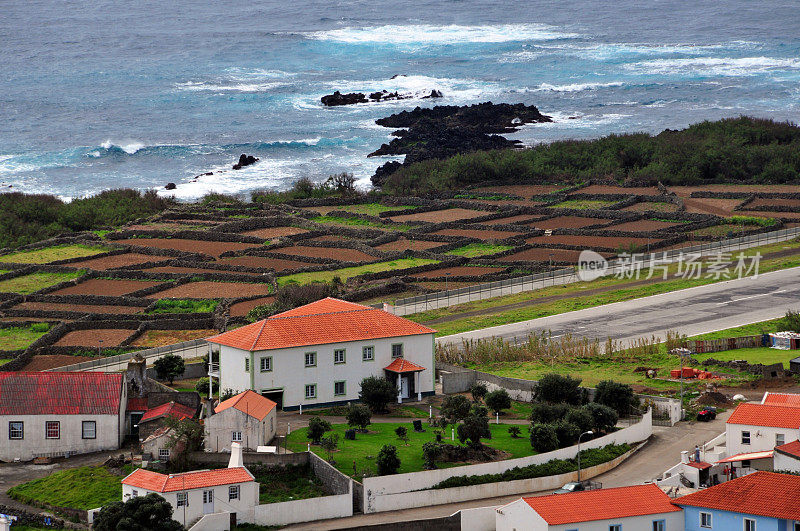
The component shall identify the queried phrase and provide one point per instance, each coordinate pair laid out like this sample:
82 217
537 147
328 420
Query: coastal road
689 311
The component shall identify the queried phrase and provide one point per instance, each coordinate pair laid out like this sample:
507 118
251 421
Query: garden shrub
317 428
358 416
387 461
580 417
376 393
498 400
567 433
544 413
455 408
478 391
617 396
558 388
604 418
544 438
202 386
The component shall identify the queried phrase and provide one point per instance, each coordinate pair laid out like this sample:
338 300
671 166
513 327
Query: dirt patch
618 190
686 191
118 260
704 205
441 216
161 338
460 271
764 201
168 225
404 244
647 207
334 253
111 337
714 398
82 308
765 214
522 190
189 246
481 234
543 254
212 290
107 287
240 309
275 232
193 270
323 210
329 238
521 219
43 362
644 225
592 242
570 222
278 264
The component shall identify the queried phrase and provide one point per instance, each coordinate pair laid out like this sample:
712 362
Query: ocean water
100 94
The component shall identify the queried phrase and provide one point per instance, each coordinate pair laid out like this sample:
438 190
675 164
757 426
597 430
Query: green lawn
764 355
184 306
479 249
51 254
86 487
348 272
287 484
365 448
584 204
357 222
3 361
373 209
753 329
20 338
27 284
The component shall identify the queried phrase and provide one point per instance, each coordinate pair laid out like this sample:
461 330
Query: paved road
690 311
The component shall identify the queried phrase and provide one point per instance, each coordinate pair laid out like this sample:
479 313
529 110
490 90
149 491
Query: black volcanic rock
244 160
170 186
337 98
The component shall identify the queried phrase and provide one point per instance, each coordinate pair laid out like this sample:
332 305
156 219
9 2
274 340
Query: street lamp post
590 432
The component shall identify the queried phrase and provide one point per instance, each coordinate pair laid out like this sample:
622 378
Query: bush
317 428
40 327
402 434
790 322
376 393
617 396
478 391
475 427
567 433
358 416
580 417
603 417
455 408
202 386
543 413
430 451
498 400
169 367
557 388
514 431
544 438
387 461
151 512
330 444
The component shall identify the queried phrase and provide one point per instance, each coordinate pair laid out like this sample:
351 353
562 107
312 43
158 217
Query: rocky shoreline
337 98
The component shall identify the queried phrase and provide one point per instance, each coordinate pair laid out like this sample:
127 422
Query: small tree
455 408
151 512
387 461
514 431
478 391
498 400
617 396
556 388
376 393
169 367
202 386
581 417
567 433
402 434
544 438
430 451
330 444
317 428
544 413
603 417
474 427
358 416
185 436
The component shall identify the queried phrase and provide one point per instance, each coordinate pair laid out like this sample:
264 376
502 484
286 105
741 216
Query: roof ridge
258 335
278 316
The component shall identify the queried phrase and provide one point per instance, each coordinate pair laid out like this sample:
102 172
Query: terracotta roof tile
403 365
146 479
701 465
766 415
325 321
760 494
602 504
782 399
60 393
136 404
250 403
172 409
792 448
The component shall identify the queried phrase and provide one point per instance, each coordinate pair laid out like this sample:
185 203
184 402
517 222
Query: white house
639 508
761 427
247 418
317 354
193 494
786 458
48 414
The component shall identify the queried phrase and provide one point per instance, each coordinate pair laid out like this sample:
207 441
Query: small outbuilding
247 418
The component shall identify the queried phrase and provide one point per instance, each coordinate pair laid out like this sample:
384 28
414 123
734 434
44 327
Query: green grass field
35 281
584 204
184 306
365 448
479 249
292 483
357 222
86 487
20 338
373 209
51 254
348 272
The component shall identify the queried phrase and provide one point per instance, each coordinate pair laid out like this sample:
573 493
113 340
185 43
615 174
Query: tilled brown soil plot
161 338
644 225
570 222
194 270
482 234
543 254
458 271
521 219
441 216
590 242
118 260
240 309
111 337
213 290
189 246
404 244
278 264
107 287
82 308
43 362
335 253
275 232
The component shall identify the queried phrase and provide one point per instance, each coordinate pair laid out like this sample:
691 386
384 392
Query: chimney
684 456
136 377
237 460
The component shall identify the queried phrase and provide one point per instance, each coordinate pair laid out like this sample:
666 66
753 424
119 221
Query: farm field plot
348 272
329 238
584 204
591 242
265 262
106 286
771 201
338 221
570 222
704 205
17 338
651 207
543 254
334 253
723 230
479 249
189 246
118 260
111 337
275 232
206 289
523 190
644 225
170 226
685 191
441 216
28 284
620 190
193 270
520 219
373 209
240 309
82 308
43 362
459 271
503 202
160 338
404 244
765 214
52 254
482 234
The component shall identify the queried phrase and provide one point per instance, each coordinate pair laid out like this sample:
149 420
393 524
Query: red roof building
792 448
199 479
60 393
768 415
170 409
249 403
781 399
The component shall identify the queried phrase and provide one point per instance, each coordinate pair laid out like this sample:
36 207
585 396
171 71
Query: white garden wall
292 512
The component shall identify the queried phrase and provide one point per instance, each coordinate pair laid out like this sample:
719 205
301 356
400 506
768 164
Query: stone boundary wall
251 458
197 235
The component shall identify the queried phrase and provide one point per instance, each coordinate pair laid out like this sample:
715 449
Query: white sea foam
129 147
442 35
233 86
716 66
617 50
576 87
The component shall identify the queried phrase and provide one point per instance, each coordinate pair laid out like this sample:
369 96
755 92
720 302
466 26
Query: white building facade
247 418
761 427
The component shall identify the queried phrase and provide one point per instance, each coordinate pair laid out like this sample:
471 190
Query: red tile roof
250 403
403 365
325 321
792 448
782 399
701 465
60 393
602 504
766 415
760 494
172 409
147 479
137 404
749 456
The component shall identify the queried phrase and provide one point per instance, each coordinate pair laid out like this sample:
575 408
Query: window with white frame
745 437
615 527
89 429
183 499
208 496
397 350
780 439
266 364
659 525
311 359
163 454
311 391
339 388
749 524
16 430
368 353
705 520
339 356
52 429
233 492
236 436
247 365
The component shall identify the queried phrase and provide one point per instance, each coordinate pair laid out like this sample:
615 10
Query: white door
208 501
404 387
